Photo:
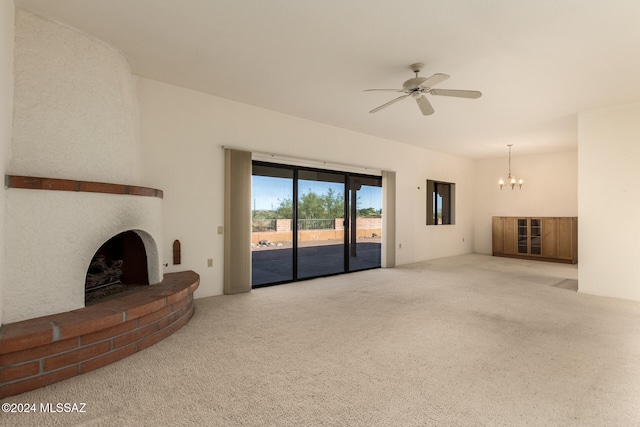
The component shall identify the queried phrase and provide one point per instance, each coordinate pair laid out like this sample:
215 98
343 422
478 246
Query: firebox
118 265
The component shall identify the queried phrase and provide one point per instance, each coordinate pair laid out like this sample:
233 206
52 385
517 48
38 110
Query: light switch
220 229
210 262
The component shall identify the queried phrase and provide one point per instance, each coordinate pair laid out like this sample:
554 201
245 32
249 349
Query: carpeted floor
469 340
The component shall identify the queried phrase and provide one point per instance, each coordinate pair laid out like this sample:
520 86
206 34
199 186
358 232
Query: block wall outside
366 228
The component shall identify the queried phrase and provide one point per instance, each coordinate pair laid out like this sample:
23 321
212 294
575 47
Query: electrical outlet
210 262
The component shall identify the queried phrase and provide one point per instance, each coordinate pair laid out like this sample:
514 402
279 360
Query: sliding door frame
347 221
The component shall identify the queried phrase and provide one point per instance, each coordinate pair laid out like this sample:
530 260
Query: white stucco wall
75 117
182 132
550 189
76 114
609 202
6 117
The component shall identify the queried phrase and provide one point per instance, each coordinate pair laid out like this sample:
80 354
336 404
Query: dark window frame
447 193
349 177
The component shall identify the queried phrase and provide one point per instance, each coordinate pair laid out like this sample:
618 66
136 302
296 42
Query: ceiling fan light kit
511 180
418 87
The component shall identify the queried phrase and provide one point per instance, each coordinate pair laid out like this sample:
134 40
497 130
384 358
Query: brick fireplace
75 170
75 182
49 348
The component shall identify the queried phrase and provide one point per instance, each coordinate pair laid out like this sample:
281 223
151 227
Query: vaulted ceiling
538 63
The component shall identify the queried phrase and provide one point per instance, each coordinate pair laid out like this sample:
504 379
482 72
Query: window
441 198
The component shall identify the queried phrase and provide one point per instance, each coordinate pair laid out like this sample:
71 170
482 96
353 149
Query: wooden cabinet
542 238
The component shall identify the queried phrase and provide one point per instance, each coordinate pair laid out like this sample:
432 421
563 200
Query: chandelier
511 180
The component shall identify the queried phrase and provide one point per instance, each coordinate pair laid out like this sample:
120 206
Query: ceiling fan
417 87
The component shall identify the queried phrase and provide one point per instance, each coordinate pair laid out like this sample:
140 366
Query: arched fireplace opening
118 265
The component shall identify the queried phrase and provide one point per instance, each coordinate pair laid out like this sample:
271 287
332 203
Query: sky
268 192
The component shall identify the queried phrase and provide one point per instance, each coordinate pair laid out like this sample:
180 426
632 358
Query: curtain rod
295 161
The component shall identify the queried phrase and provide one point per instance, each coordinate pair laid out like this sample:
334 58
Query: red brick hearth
41 351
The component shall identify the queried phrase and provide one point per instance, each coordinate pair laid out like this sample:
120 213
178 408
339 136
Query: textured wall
6 112
76 113
76 117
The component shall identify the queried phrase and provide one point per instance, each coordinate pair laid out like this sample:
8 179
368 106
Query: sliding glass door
320 207
311 223
365 220
272 233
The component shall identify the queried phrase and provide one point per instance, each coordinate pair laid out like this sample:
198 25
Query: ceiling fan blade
472 94
425 106
383 90
434 80
393 101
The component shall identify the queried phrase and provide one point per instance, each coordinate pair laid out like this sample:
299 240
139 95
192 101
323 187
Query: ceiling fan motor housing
414 84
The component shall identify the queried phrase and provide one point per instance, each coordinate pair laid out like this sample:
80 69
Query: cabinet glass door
536 236
522 236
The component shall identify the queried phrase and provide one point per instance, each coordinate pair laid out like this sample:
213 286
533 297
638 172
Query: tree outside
314 206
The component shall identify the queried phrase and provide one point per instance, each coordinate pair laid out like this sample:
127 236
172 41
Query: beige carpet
470 340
